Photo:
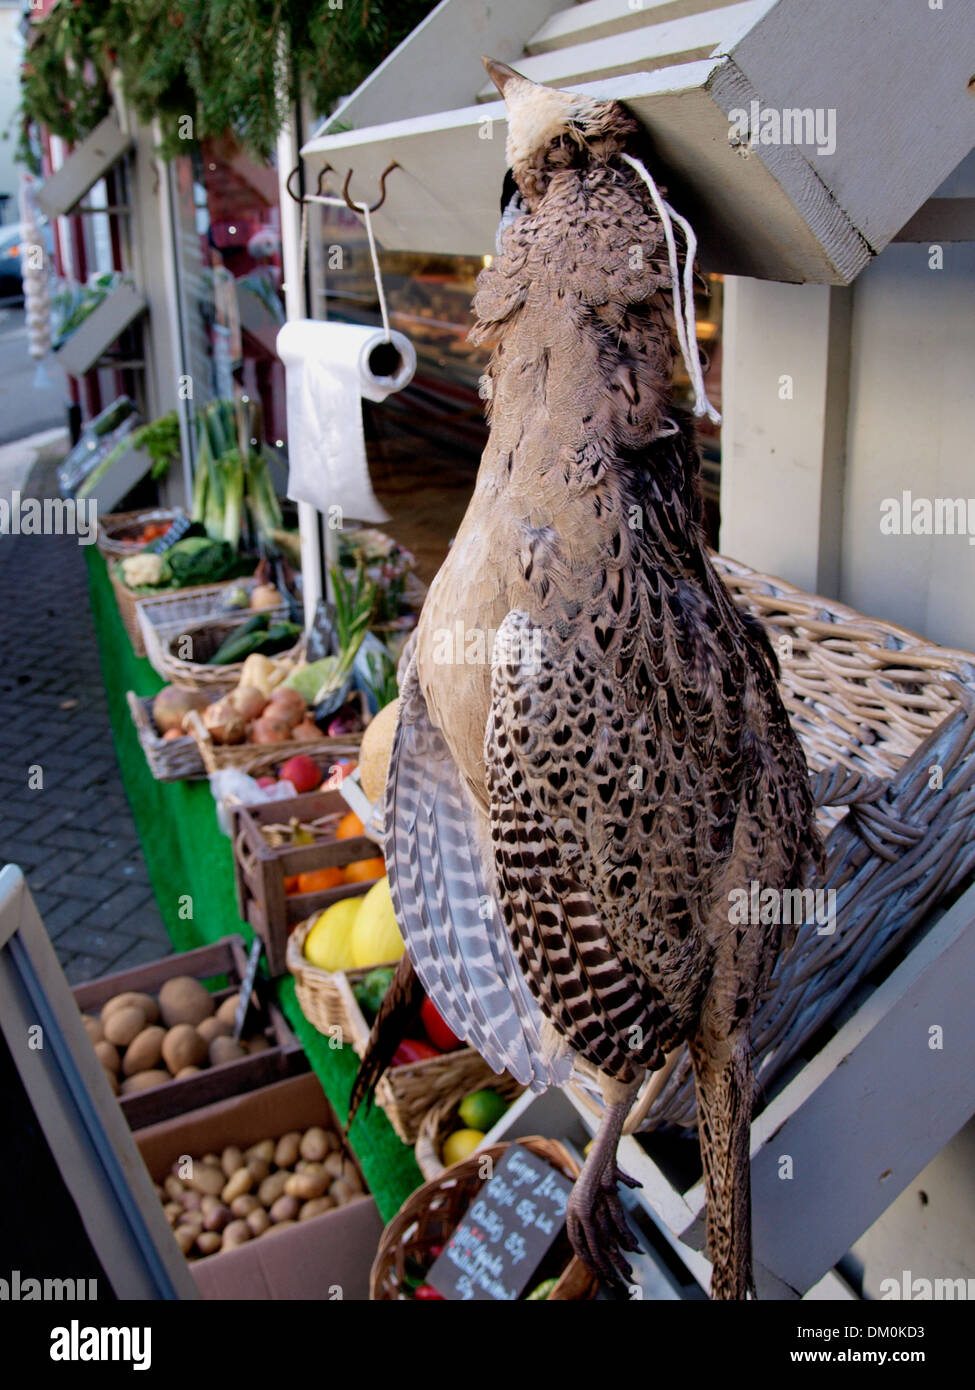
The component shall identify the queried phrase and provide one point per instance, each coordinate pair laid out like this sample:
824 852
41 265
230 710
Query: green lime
482 1109
541 1291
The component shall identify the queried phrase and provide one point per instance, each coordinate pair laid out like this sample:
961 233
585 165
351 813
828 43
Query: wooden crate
228 958
260 870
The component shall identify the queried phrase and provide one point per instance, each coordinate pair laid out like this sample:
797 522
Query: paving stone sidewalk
74 838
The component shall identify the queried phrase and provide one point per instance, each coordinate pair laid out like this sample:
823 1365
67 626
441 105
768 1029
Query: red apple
267 781
302 772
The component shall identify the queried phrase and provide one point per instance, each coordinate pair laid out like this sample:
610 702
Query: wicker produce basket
441 1120
168 613
170 760
876 707
128 606
407 1092
115 530
431 1214
257 759
260 868
204 636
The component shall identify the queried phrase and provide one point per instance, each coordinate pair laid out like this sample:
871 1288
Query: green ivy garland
214 61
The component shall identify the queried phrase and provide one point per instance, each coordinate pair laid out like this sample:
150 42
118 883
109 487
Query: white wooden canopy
893 81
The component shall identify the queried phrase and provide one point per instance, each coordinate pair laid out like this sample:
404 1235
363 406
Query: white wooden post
785 374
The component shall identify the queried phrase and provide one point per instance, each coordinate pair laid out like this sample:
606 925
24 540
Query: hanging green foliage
205 67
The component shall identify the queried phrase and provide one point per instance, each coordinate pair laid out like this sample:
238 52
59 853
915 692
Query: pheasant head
549 130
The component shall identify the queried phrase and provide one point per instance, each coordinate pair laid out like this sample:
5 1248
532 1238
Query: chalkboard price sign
506 1232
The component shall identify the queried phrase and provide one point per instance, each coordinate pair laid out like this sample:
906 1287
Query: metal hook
325 169
374 207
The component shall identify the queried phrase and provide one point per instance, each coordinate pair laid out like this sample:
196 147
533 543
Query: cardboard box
328 1257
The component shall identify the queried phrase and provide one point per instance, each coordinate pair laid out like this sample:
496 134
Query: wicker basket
206 635
439 1122
129 603
160 617
114 528
257 759
170 760
406 1093
431 1214
865 697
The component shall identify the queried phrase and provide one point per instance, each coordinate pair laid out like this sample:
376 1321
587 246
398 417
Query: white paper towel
328 372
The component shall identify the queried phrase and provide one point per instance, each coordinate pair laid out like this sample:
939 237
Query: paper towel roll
330 367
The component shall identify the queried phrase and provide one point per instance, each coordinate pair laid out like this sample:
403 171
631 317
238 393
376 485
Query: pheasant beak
500 74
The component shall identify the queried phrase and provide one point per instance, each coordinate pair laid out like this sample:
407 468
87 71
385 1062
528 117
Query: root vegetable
248 701
286 1150
224 722
124 1024
237 1233
266 596
305 1186
144 1051
107 1054
315 1207
284 1209
225 1050
144 1081
272 1188
182 1047
184 1000
209 1242
313 1145
93 1028
185 1238
145 1002
172 1187
207 1178
258 1221
264 1150
228 1010
258 1168
341 1192
212 1028
173 703
184 1072
231 1159
241 1182
270 728
243 1206
217 1218
288 705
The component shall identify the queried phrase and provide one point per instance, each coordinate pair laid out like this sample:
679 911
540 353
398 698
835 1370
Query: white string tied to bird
685 320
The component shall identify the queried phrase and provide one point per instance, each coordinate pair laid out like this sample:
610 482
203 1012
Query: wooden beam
596 19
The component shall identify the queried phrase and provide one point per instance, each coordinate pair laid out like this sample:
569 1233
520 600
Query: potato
173 1187
211 1028
272 1188
184 1072
350 1174
207 1178
258 1221
124 1024
217 1218
209 1242
107 1053
334 1165
305 1186
265 1150
225 1050
286 1150
191 1221
258 1168
281 1225
144 1051
184 1000
112 1080
172 1211
243 1206
341 1192
237 1233
257 1044
183 1047
231 1159
185 1238
227 1011
93 1028
241 1182
131 998
212 1159
284 1209
191 1201
313 1145
143 1081
315 1207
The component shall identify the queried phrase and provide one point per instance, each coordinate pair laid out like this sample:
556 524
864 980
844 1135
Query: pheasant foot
595 1217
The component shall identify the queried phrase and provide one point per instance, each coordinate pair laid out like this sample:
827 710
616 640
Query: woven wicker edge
113 549
326 996
258 758
434 1126
577 1282
170 760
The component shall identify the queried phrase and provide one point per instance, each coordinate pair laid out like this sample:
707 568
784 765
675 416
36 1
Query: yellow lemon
461 1144
329 943
376 939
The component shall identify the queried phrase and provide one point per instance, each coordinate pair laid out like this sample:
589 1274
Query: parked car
11 245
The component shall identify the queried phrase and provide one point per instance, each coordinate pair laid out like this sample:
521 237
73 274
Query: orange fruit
349 827
319 879
291 883
362 870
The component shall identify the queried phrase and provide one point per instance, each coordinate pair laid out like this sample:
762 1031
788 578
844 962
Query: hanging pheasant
570 806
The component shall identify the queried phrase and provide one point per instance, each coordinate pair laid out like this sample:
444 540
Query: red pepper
412 1050
436 1030
427 1291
